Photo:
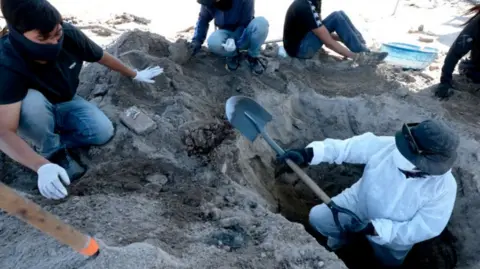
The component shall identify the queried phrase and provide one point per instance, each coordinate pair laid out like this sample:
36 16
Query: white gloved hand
229 45
49 183
148 74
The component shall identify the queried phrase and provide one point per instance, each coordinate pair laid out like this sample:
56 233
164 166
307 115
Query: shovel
248 117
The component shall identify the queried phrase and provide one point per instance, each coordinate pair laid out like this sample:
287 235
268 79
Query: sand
193 193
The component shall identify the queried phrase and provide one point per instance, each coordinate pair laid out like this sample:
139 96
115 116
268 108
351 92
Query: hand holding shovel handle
33 214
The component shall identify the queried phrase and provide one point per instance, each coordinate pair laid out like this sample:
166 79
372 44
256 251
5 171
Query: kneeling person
305 33
40 61
238 29
406 194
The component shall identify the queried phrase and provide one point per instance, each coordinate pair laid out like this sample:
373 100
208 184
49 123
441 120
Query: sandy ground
193 193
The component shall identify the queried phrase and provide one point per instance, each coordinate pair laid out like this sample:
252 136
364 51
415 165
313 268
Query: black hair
475 9
27 15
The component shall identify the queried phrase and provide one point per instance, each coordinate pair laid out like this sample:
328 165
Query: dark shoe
233 62
256 65
444 91
74 169
371 58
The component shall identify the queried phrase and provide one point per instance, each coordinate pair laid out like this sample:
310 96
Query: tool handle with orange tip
33 214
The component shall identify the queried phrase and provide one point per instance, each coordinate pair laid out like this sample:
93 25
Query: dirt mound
193 193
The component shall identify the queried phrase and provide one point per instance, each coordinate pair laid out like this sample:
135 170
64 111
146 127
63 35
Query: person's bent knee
341 13
103 133
318 214
34 103
37 121
261 23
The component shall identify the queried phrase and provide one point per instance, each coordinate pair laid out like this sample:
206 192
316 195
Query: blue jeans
70 124
251 38
337 22
321 219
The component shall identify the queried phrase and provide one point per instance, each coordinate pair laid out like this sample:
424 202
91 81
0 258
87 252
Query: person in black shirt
40 61
467 41
305 33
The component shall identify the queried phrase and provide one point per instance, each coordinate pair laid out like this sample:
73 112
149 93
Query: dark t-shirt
301 18
57 81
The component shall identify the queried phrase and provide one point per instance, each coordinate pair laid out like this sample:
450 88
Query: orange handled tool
33 214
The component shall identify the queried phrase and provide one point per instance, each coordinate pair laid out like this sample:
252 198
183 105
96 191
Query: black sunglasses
407 133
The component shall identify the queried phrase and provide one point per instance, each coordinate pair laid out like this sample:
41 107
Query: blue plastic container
409 56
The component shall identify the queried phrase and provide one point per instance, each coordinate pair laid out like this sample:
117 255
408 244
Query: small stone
272 66
224 168
420 28
100 90
137 121
215 214
96 100
402 92
132 186
320 264
263 255
101 32
271 50
230 222
425 39
157 179
409 78
433 67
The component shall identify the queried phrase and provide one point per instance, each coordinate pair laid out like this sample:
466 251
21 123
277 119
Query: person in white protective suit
406 194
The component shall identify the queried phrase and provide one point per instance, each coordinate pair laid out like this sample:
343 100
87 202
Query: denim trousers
51 127
339 23
250 38
321 219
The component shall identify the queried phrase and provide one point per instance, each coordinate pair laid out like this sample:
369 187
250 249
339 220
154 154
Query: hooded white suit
404 211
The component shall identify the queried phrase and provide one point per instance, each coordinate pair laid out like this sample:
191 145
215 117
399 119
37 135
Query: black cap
438 141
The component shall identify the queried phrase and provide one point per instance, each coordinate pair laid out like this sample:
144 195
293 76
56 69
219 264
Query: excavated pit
193 193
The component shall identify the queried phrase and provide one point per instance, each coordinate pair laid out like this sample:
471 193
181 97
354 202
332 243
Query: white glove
148 74
229 45
49 183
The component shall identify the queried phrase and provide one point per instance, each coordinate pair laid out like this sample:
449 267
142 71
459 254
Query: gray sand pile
193 193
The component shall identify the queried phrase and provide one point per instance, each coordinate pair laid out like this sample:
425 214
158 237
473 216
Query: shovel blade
247 116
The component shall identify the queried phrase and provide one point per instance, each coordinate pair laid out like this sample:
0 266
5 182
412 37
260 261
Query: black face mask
33 50
223 5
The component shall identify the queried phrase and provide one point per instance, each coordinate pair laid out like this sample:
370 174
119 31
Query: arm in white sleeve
429 221
357 150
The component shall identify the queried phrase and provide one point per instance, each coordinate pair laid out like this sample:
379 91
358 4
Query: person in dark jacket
467 41
305 32
238 29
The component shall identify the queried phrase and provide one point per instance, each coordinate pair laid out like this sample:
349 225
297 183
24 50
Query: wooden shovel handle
319 192
34 215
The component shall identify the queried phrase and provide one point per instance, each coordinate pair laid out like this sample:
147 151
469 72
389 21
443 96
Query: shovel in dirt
250 118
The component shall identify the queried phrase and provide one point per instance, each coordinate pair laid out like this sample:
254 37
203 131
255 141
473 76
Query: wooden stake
33 214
